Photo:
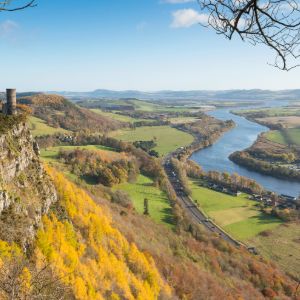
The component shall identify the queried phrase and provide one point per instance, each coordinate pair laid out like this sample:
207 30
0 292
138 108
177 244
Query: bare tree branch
7 5
275 23
42 284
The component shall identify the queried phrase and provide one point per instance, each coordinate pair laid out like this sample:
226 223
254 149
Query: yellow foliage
26 281
90 255
9 250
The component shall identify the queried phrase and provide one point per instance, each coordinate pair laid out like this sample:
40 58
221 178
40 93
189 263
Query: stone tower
11 101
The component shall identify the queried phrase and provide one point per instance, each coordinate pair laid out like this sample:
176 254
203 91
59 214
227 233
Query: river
242 136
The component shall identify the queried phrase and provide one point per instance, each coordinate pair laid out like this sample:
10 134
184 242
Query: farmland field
281 245
145 105
159 206
285 121
115 116
287 117
39 127
168 139
239 216
275 136
286 136
155 107
147 108
273 112
180 120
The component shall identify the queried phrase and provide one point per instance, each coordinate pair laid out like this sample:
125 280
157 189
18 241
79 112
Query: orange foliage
42 99
24 108
104 155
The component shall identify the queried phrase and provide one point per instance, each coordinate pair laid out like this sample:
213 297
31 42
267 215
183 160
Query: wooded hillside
59 112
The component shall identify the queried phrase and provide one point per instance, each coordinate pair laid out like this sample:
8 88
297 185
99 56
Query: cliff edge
26 191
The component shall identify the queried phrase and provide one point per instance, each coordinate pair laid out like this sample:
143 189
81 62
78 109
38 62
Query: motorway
191 208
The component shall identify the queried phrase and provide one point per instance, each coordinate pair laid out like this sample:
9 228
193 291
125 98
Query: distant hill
203 95
25 94
59 112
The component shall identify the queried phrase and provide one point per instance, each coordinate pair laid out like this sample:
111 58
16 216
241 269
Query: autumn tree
21 279
93 258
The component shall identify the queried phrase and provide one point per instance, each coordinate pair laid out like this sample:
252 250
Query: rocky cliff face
26 192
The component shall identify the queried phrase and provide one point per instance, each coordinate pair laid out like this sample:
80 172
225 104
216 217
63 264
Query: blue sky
127 44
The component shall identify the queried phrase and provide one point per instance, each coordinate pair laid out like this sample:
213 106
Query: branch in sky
11 5
275 23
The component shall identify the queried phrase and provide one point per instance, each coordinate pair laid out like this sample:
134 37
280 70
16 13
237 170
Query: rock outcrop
26 191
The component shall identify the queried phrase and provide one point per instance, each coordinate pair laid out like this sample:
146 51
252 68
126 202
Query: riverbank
258 117
271 156
237 214
242 136
205 132
267 157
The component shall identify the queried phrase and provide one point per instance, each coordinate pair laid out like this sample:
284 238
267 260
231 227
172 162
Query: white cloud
7 28
185 18
178 1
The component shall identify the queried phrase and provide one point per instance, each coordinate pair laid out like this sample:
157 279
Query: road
191 208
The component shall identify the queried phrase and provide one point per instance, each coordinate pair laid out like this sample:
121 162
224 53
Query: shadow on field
168 216
265 219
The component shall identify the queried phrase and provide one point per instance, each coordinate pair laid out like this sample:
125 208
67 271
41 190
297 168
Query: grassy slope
237 215
282 245
294 135
39 127
287 136
275 136
168 139
50 154
159 206
145 105
115 116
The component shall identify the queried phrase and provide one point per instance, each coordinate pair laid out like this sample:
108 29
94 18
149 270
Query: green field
50 154
281 245
275 136
115 116
167 138
39 127
155 107
273 112
181 120
145 105
286 136
237 215
159 205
